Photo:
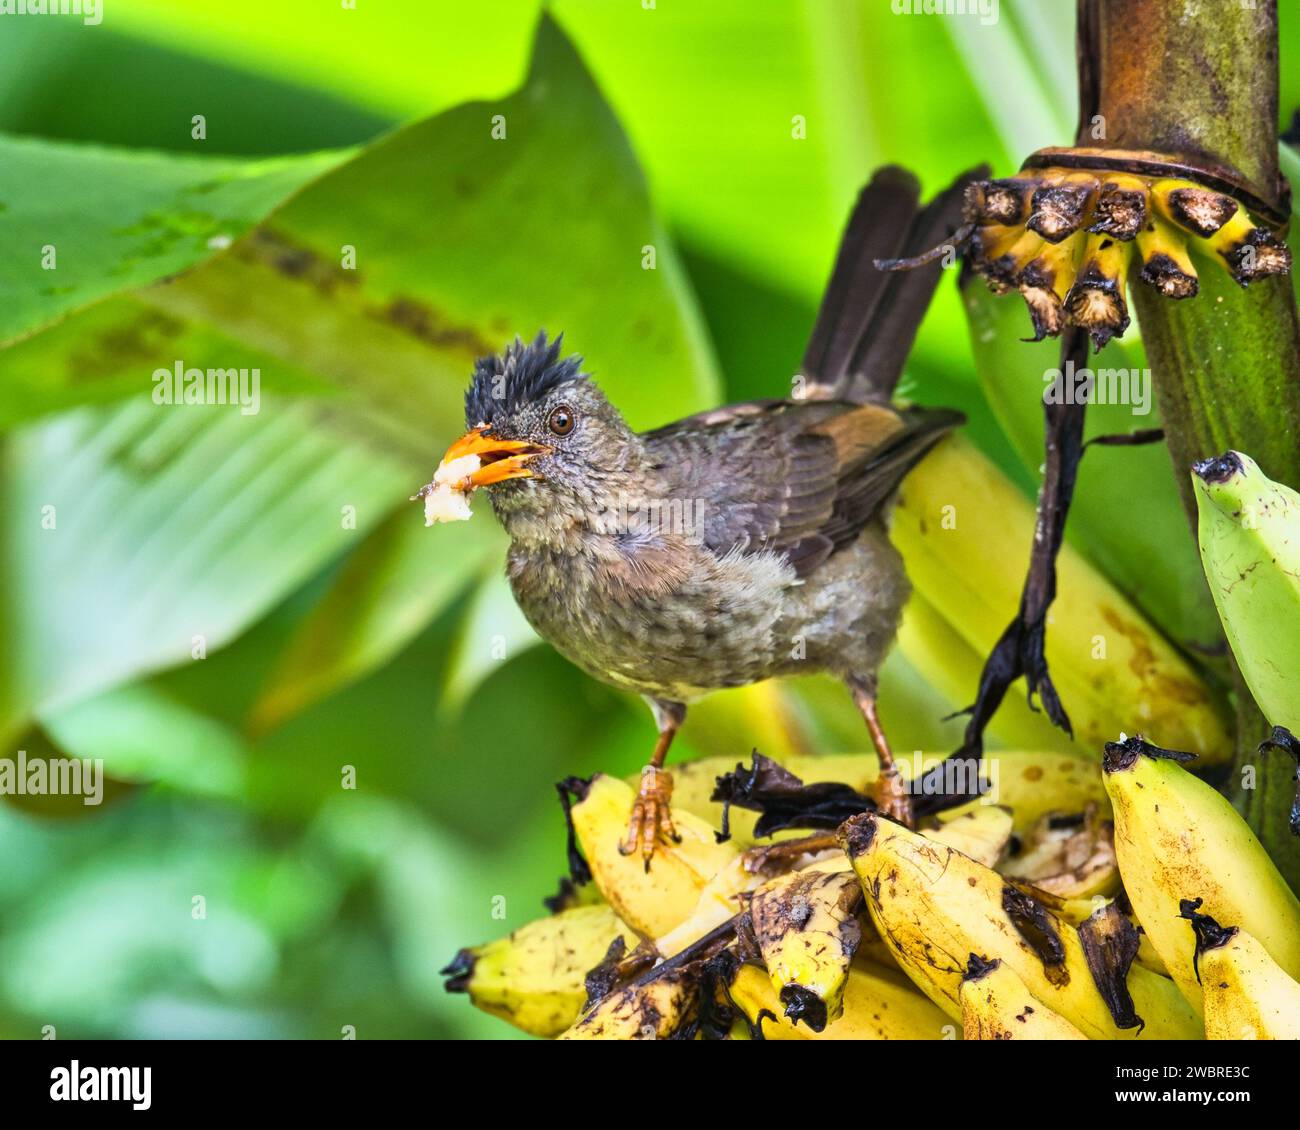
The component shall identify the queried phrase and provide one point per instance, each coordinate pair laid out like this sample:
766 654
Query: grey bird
734 545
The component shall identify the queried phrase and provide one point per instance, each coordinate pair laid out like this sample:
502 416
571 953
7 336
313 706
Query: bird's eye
560 420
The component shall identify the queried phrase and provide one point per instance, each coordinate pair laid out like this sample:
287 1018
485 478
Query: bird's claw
652 818
892 800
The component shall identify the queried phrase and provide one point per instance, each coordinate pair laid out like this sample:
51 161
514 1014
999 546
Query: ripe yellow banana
1248 996
1045 282
877 1006
720 898
981 832
1249 532
657 1010
1178 838
807 931
1096 300
1166 265
1113 669
650 902
996 1005
535 977
935 907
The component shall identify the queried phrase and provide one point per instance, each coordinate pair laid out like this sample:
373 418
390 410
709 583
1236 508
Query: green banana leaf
148 216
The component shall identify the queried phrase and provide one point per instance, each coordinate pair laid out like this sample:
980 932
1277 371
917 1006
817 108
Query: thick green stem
1200 81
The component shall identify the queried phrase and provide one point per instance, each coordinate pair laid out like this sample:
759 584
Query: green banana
1249 532
1178 838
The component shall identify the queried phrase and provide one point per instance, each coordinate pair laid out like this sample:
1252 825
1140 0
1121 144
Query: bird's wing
868 318
798 477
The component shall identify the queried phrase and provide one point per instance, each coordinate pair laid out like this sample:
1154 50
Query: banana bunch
1249 533
1068 236
936 907
982 924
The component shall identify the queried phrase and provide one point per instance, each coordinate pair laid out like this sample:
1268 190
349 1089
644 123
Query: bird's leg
651 816
889 791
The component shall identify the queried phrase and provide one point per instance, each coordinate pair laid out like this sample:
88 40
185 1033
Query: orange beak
501 459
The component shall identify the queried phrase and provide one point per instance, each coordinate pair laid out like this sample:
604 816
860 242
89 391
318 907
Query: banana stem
1200 81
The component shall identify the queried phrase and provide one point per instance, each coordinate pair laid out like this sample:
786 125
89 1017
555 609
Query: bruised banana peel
935 907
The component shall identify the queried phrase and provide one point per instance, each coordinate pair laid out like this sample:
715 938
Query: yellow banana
996 1005
982 833
1096 300
1166 265
650 902
720 898
877 1006
935 907
1247 251
1045 282
1178 838
1247 995
535 977
655 1010
1112 669
807 931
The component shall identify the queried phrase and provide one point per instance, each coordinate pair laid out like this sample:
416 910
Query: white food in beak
444 500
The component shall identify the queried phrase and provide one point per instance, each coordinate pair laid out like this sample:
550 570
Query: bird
738 544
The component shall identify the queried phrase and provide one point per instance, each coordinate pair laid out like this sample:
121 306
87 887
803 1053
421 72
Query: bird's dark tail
868 318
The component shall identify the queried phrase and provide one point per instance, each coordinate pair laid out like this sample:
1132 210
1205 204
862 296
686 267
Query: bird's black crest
525 372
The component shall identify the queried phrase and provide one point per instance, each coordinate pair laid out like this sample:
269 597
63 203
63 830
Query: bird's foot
892 800
652 818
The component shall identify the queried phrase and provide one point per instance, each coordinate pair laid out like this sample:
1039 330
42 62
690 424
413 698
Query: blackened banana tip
1218 469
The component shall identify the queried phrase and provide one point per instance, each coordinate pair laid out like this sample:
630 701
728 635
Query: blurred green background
234 611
